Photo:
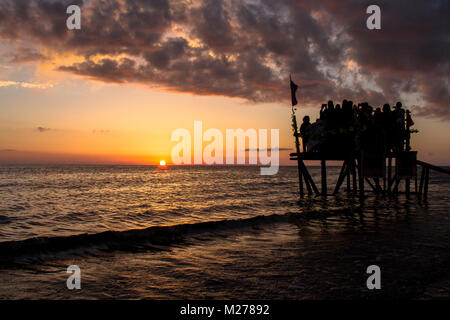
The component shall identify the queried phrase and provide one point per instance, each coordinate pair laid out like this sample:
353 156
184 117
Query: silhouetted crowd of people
349 128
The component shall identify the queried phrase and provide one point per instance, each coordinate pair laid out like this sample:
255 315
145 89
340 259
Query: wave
5 219
156 237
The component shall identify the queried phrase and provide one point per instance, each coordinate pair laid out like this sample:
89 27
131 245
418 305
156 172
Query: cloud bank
247 49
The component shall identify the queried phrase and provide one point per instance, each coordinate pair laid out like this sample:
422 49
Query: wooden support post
422 179
342 174
389 174
300 177
308 184
308 179
377 184
354 175
397 182
361 174
425 187
348 173
415 181
407 186
370 184
323 165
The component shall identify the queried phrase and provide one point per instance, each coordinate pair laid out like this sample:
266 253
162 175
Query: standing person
331 114
409 124
348 125
388 127
378 135
305 132
323 111
330 128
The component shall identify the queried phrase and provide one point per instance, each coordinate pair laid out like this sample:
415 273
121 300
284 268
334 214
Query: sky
114 91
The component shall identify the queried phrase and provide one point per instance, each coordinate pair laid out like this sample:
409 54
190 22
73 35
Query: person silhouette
305 132
409 124
330 112
388 127
323 111
330 104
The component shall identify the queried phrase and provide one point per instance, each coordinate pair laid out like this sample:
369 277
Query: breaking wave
152 238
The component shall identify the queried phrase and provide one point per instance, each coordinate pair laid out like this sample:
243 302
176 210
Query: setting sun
162 163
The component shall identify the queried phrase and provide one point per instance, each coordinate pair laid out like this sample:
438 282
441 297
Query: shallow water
271 247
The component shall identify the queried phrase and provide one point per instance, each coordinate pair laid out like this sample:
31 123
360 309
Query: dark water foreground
213 233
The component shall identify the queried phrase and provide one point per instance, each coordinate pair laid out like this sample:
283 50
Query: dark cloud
42 129
27 55
248 48
211 23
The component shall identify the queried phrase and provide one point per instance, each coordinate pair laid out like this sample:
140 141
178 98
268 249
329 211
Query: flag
294 88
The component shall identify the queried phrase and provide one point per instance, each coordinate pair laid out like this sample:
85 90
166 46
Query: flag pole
296 135
297 147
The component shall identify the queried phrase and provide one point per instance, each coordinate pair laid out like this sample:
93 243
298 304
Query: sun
162 163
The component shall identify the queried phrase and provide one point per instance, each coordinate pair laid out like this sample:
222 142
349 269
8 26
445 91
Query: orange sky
90 122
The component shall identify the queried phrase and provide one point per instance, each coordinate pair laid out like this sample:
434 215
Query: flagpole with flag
294 102
294 88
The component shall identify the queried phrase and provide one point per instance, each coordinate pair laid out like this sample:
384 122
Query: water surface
213 232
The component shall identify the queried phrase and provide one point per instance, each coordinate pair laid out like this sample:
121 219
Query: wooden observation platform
364 152
360 167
